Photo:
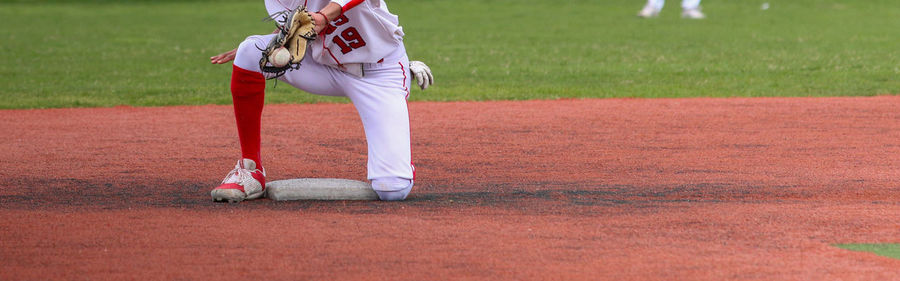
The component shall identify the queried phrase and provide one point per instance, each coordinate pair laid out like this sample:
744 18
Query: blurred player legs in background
690 9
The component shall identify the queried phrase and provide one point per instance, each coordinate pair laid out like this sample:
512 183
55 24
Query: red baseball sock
248 93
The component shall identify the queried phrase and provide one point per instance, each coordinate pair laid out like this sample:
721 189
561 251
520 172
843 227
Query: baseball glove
295 29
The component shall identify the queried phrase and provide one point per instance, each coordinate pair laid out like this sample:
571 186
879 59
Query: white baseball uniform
360 55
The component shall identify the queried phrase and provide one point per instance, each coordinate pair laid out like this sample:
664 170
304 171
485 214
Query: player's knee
392 189
248 53
398 195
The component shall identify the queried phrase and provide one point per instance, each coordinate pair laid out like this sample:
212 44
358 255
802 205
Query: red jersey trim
350 5
403 69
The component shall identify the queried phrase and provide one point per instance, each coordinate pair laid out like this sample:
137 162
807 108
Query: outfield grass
153 53
886 250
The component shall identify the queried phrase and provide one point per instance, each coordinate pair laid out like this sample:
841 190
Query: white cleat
244 182
693 14
648 12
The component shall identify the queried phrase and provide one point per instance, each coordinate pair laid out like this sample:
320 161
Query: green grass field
886 250
155 53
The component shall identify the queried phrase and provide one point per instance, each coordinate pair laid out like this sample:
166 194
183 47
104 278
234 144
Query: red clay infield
619 189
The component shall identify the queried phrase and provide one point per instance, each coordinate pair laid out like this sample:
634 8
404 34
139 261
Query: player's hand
421 73
223 57
319 21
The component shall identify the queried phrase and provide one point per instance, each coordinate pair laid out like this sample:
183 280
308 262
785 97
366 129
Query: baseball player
690 9
359 54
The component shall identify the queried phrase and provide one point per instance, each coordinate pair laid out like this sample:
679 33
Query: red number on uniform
341 20
349 40
337 22
330 29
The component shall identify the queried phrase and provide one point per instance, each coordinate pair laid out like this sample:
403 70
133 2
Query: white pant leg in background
656 4
379 97
685 4
690 4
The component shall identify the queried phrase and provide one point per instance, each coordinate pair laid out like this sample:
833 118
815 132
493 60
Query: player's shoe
649 12
245 182
693 14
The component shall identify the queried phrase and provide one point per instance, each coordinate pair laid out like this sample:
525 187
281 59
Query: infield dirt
616 189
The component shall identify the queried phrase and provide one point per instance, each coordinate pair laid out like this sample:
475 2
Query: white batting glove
421 73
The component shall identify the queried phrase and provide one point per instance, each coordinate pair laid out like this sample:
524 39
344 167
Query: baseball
280 57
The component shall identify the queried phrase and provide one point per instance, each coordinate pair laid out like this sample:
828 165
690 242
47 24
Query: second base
319 189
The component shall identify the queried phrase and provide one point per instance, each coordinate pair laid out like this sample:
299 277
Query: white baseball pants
380 98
